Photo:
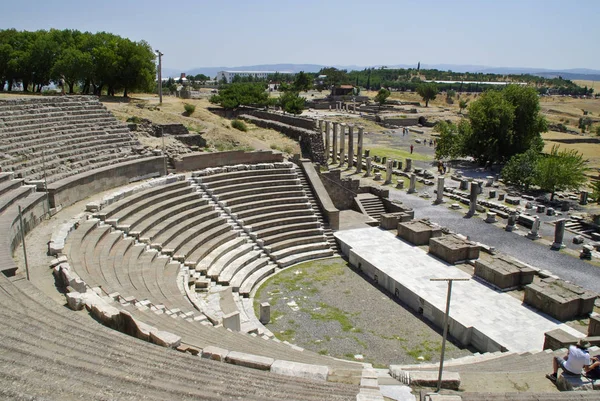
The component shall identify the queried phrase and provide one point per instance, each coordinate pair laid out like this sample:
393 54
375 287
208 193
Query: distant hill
573 73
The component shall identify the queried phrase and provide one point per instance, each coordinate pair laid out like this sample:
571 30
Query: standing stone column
359 150
408 165
336 129
342 144
583 196
535 227
412 188
350 146
327 144
512 222
388 172
368 173
559 233
440 190
473 199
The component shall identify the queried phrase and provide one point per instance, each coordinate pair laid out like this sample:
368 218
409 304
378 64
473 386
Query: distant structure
229 75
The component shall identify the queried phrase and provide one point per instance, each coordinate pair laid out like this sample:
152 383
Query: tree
291 102
73 65
462 104
335 77
382 96
561 170
243 93
302 82
491 118
596 191
528 123
428 91
452 139
521 169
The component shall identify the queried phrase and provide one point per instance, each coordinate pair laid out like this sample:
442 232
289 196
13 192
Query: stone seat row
103 124
63 137
46 111
268 218
47 349
17 127
72 151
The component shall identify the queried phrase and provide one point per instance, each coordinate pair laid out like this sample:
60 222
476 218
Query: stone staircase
327 231
372 204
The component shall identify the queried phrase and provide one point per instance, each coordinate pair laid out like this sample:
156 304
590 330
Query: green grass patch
323 352
399 154
286 335
360 342
329 313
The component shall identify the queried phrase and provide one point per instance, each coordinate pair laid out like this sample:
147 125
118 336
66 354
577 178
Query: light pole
159 75
446 316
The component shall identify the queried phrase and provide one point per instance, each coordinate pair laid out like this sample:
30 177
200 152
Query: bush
239 125
189 109
134 120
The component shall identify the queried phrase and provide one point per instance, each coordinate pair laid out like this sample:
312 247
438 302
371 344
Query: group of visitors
578 359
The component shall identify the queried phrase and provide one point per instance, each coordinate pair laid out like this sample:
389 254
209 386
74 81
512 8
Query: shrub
134 120
239 125
189 109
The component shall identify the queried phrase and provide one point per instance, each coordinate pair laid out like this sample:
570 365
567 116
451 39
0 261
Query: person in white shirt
574 362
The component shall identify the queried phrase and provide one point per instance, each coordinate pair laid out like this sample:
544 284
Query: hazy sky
505 33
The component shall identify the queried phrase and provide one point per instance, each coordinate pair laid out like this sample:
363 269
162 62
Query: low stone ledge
504 272
453 248
418 232
560 299
215 353
164 339
576 383
249 360
302 370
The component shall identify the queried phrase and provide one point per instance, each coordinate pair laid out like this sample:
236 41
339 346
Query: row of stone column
334 130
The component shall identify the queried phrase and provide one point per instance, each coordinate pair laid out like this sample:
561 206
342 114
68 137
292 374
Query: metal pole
159 75
164 150
23 241
45 180
446 317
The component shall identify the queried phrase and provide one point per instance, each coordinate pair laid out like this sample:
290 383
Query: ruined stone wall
341 191
197 161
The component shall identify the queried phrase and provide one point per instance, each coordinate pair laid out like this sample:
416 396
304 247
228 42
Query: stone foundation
452 248
504 272
559 299
418 232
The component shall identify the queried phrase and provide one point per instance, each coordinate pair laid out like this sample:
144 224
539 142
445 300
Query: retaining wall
198 161
80 186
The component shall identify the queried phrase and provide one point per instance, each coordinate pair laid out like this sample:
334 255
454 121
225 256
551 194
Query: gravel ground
328 307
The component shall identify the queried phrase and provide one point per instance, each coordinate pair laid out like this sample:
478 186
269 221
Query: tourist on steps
577 358
593 371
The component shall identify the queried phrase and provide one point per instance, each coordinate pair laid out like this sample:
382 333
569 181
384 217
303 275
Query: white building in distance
229 75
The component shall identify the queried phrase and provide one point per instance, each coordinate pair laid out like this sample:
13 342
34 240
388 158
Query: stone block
302 370
165 339
450 380
558 339
265 313
75 301
452 248
419 232
578 239
249 360
567 382
594 326
231 321
504 272
215 353
560 299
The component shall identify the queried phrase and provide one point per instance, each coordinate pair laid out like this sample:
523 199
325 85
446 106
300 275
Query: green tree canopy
243 93
451 142
521 169
335 77
428 91
291 102
561 170
302 82
95 61
382 96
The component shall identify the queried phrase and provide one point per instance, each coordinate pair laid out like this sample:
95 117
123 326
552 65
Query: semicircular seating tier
62 136
137 249
48 351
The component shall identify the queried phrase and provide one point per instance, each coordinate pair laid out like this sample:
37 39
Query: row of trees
92 62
